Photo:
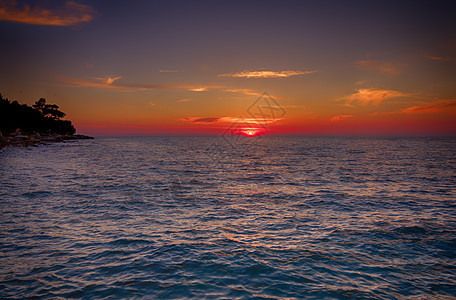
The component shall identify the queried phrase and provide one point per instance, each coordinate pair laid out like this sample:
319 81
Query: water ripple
181 218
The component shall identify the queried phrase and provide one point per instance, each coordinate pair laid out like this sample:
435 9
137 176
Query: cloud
340 118
111 83
169 71
251 93
255 121
210 120
198 120
435 107
110 80
361 82
376 65
438 58
198 89
107 80
374 96
184 100
72 13
95 82
244 92
265 74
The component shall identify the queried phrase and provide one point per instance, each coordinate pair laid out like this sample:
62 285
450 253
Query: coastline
36 139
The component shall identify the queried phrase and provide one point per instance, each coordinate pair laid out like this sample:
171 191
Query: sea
229 218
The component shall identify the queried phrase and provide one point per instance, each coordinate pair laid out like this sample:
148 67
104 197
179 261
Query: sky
314 68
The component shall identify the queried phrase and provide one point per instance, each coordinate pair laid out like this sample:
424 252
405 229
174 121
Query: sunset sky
195 67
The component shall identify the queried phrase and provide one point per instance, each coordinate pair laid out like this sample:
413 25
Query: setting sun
250 131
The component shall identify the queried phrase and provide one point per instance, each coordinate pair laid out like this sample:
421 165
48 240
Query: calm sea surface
200 217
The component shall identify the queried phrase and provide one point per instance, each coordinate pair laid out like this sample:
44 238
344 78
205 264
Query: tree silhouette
48 110
39 105
41 117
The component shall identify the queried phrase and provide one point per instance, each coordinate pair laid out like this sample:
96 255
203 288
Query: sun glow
250 131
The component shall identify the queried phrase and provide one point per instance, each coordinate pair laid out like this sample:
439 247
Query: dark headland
40 124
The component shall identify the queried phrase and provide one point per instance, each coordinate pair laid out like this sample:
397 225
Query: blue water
263 218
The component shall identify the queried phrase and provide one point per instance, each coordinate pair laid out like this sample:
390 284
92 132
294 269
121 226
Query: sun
250 131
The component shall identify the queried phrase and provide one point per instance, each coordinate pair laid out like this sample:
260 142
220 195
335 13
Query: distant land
22 125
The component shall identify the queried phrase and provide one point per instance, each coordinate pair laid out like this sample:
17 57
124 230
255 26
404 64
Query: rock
18 140
4 142
78 137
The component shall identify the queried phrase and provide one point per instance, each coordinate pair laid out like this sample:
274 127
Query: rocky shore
22 140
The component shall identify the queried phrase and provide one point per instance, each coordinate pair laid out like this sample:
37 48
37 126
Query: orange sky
153 68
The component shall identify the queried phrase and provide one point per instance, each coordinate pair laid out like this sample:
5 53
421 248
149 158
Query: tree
48 110
42 118
40 104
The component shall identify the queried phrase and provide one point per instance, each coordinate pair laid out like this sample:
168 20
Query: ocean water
202 217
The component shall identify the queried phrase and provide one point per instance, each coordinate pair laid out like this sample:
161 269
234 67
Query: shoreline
37 139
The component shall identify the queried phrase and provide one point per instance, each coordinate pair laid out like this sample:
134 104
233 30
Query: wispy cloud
361 82
434 107
111 83
93 82
379 66
374 96
199 89
244 92
248 92
169 71
71 13
340 118
265 74
438 58
107 80
254 121
447 106
200 120
211 120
